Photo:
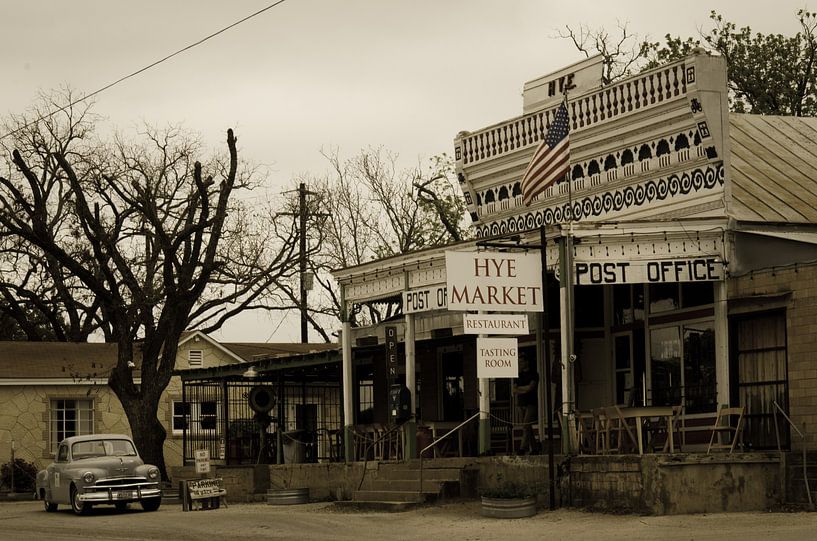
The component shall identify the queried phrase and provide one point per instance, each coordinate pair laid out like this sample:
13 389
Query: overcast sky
307 74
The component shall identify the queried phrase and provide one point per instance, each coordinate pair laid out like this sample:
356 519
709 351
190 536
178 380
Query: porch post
348 395
484 430
410 428
721 344
566 308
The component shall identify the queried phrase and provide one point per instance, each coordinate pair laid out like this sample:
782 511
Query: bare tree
368 208
147 240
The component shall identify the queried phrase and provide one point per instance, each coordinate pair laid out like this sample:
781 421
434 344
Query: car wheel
121 506
151 504
79 507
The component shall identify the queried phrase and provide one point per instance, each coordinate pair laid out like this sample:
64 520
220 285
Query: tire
151 504
121 506
79 508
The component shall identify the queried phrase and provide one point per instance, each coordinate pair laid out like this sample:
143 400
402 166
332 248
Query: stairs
396 487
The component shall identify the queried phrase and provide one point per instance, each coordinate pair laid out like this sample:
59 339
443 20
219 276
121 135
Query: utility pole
305 280
302 259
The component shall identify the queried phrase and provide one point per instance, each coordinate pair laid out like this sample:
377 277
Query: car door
57 481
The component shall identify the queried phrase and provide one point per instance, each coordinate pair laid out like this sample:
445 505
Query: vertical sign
391 355
202 457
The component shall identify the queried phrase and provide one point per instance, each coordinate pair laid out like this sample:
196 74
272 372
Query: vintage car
99 468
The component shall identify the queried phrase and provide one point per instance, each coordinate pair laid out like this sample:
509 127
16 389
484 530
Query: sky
308 75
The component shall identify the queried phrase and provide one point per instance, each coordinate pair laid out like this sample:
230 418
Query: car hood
112 466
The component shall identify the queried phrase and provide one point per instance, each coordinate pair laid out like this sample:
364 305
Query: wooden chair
587 430
616 430
725 432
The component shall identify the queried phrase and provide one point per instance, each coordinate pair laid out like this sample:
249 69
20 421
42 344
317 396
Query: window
70 418
683 366
195 358
181 416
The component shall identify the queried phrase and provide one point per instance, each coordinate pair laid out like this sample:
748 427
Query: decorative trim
594 206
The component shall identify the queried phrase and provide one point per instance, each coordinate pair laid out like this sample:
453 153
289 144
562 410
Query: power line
137 72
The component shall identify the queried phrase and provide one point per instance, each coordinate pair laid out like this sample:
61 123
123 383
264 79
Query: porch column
410 428
721 344
348 395
484 430
566 309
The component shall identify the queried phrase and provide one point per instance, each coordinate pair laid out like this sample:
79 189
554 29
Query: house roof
773 168
75 360
83 361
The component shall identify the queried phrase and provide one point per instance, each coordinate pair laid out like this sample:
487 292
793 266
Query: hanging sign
425 300
700 269
497 358
495 324
494 281
391 354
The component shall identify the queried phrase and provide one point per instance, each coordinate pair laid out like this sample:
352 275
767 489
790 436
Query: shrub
25 476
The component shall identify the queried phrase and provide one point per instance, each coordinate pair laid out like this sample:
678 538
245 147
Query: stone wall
675 484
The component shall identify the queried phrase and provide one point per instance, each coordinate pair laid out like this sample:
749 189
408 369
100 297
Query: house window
195 358
181 416
70 418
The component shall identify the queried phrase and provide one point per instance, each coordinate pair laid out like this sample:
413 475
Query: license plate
123 495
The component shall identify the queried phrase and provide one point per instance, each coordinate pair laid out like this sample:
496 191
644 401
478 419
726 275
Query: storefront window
697 294
699 368
665 354
663 298
684 371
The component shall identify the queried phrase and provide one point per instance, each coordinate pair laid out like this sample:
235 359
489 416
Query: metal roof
773 168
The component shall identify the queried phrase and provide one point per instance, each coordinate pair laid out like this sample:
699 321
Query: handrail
372 444
803 437
441 438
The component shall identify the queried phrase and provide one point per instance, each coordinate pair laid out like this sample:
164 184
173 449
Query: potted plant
509 500
285 494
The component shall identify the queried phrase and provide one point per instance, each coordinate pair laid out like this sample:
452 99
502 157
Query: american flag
550 162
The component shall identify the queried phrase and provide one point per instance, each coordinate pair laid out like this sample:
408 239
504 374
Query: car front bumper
119 494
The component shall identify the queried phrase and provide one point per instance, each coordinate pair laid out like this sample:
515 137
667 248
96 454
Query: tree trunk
148 433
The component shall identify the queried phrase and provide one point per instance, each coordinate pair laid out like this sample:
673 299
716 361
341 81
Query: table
641 413
444 427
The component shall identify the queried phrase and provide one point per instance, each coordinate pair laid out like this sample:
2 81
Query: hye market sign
494 281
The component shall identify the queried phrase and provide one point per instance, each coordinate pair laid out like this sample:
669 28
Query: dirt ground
450 522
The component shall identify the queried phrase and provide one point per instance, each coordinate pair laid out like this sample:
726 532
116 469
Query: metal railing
441 438
802 436
374 442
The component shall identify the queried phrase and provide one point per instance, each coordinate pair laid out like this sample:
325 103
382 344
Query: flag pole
568 321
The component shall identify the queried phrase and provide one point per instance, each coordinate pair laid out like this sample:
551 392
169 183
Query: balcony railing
643 91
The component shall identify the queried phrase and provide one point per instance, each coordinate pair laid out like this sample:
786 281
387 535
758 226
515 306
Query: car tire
121 506
79 507
151 504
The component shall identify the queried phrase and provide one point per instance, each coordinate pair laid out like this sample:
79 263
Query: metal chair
725 434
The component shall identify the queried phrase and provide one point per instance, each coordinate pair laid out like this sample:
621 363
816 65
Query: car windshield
95 448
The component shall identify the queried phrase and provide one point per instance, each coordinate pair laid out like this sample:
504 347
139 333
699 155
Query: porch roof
272 365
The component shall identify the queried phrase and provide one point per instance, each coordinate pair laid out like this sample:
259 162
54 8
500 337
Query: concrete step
393 496
406 484
377 506
406 474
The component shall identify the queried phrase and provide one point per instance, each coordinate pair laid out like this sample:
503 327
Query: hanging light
250 373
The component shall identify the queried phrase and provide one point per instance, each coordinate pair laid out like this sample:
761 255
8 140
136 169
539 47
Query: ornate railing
643 91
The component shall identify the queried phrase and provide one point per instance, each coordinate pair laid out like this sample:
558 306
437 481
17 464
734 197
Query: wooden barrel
287 496
508 507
